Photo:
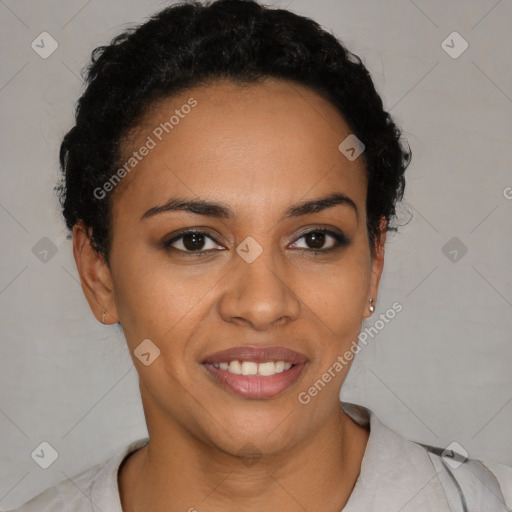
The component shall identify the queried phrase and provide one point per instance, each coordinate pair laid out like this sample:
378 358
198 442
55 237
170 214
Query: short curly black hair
194 43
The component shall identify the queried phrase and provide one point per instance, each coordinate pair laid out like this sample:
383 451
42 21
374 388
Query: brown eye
192 241
316 239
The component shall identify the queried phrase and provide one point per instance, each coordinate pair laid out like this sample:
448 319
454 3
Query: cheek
337 293
160 301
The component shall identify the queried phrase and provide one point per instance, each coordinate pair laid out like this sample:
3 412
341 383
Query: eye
318 237
192 242
199 243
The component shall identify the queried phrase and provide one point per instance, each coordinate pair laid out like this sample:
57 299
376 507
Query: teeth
249 368
235 367
265 369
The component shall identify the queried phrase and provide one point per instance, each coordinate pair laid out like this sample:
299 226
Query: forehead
260 142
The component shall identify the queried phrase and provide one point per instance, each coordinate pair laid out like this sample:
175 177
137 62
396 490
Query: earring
371 307
103 319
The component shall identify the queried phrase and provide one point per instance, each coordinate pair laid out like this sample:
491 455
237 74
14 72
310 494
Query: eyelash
340 241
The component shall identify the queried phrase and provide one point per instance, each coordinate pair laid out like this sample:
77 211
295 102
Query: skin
259 149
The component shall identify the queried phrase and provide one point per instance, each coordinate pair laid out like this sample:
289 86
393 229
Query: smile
253 368
255 373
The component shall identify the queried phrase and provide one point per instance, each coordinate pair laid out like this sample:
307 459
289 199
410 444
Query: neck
178 472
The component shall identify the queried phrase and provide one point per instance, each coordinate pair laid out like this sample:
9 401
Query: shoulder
475 484
402 474
67 495
95 488
503 474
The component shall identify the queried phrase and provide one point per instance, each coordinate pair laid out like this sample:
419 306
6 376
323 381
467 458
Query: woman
229 184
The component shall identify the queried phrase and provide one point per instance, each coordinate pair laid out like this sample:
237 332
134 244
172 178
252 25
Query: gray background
439 372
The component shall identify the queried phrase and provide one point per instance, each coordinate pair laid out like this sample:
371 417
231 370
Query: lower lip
256 386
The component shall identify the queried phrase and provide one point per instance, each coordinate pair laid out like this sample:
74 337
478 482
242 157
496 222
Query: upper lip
256 354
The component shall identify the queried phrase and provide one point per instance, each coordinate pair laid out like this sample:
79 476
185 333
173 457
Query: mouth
254 372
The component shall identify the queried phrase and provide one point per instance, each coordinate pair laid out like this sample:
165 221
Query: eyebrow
222 211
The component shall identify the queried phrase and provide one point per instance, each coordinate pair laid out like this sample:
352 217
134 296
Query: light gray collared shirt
397 475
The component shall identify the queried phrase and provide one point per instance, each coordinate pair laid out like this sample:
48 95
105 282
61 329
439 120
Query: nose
259 294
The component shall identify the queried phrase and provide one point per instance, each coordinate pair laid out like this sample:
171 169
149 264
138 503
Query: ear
95 276
377 265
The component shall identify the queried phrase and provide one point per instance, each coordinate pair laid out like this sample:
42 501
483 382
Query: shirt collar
396 474
105 488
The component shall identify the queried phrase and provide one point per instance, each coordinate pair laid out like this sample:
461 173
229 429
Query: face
254 266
